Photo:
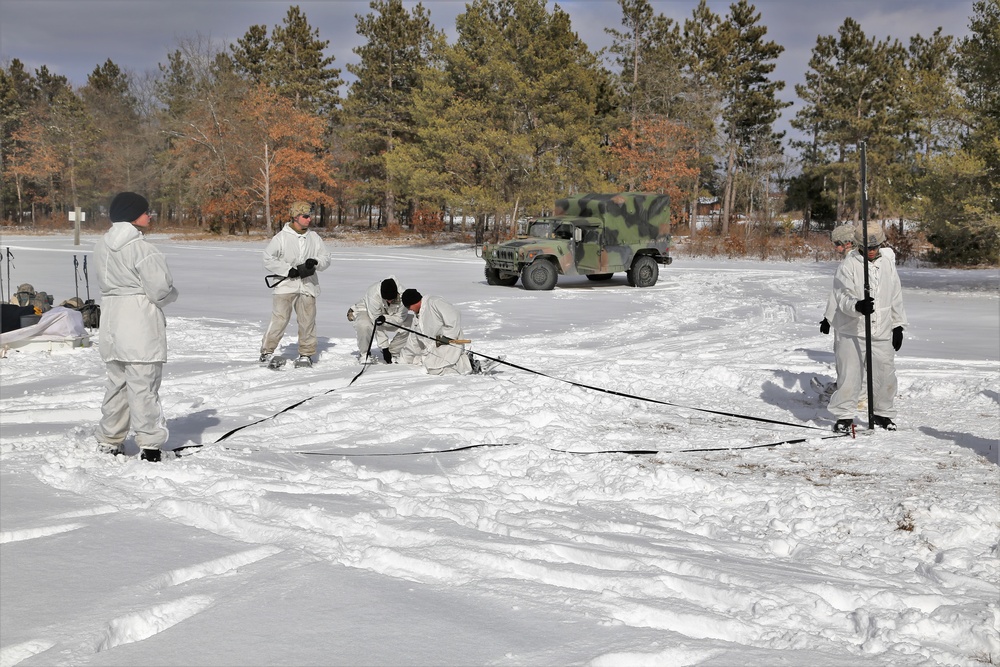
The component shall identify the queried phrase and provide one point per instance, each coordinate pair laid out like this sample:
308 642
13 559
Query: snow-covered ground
337 533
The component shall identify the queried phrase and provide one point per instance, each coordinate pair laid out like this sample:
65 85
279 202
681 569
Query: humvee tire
493 278
539 275
600 276
644 272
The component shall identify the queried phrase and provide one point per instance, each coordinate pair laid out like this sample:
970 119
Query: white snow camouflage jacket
288 249
135 286
436 318
831 302
885 289
373 304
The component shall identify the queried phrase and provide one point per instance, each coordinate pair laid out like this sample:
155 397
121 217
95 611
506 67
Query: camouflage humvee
591 235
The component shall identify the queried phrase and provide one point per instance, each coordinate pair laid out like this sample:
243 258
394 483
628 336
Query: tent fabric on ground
58 327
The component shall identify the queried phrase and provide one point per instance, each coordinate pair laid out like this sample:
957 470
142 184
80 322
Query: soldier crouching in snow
440 323
381 300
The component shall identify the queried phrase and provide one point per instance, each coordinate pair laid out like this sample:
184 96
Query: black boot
884 423
844 426
151 454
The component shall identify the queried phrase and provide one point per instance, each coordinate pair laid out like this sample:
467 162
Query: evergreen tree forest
515 112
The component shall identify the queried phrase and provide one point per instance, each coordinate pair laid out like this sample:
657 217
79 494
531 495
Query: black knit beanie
127 207
389 289
411 296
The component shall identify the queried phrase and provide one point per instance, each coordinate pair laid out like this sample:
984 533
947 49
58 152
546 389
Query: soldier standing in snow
381 300
440 323
135 286
297 253
885 307
843 241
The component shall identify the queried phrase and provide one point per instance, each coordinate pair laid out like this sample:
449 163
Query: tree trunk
727 195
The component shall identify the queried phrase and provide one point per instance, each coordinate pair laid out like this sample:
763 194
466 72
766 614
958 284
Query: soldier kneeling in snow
381 300
440 323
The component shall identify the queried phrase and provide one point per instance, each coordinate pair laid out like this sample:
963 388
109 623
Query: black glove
897 338
443 340
312 263
306 269
380 320
293 272
865 306
824 326
387 355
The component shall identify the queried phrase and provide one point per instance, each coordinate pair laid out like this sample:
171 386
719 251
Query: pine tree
750 103
979 77
852 95
647 58
958 199
73 137
251 53
127 151
379 106
532 86
297 68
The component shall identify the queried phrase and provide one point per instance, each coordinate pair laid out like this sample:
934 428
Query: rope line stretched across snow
295 405
632 452
573 383
626 395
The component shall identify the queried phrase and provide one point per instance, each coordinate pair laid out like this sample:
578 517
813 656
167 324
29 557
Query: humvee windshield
550 229
542 229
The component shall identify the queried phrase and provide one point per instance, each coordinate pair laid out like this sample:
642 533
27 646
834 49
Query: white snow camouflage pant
436 360
364 327
851 377
132 398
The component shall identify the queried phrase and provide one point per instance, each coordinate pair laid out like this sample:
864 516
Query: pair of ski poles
76 277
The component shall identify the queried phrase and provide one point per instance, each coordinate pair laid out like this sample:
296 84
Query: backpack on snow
27 296
91 311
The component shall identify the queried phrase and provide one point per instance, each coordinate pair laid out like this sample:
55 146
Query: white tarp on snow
60 325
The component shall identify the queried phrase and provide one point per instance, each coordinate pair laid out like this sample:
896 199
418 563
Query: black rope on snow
633 452
623 394
551 377
295 405
649 400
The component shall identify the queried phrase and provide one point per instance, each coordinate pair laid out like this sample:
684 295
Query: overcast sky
72 37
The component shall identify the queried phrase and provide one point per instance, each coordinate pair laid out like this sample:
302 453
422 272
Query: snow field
877 550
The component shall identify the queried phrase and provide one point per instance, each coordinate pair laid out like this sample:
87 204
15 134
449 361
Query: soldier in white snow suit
296 253
135 286
441 323
885 306
381 300
843 241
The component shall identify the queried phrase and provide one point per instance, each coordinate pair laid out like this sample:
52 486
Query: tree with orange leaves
657 155
253 153
291 162
31 160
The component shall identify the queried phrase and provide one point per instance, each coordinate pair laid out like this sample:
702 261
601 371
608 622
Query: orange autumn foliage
658 155
256 150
